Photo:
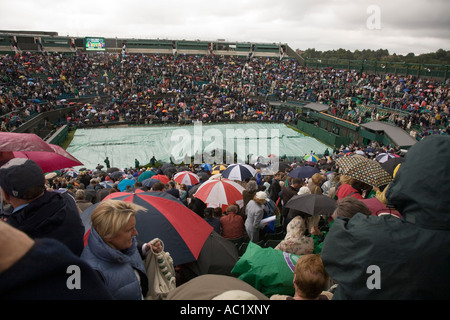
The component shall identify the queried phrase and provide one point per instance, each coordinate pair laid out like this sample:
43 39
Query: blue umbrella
146 175
124 183
206 167
107 184
303 172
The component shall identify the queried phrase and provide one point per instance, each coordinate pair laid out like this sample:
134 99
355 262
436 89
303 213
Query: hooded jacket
387 257
54 215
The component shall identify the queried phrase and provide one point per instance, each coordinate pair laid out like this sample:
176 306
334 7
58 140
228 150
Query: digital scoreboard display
94 44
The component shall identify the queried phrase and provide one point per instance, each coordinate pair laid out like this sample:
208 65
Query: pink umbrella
48 156
186 177
10 141
49 161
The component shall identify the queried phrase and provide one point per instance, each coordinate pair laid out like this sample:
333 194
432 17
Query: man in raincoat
386 257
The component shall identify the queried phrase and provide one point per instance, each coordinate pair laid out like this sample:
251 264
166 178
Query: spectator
232 223
112 250
173 190
213 220
37 212
255 212
287 193
80 199
311 280
38 270
386 257
350 206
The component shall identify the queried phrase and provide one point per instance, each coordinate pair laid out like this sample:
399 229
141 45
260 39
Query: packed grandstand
151 81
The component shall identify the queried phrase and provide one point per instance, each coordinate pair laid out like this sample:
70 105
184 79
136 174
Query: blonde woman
112 250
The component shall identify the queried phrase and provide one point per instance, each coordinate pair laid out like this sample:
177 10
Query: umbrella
182 231
186 177
218 256
303 172
124 183
206 167
107 184
116 174
146 175
111 170
312 204
218 169
364 170
162 178
10 141
383 157
149 182
311 158
239 172
391 164
50 160
220 192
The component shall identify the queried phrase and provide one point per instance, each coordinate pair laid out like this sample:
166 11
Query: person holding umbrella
112 250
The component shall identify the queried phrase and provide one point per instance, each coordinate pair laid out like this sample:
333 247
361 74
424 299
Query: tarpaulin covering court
125 144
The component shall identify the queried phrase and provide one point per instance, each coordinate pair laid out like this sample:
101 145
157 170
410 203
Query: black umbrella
111 170
391 164
218 256
312 204
116 174
149 182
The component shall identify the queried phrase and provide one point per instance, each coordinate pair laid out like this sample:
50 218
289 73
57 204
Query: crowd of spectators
152 87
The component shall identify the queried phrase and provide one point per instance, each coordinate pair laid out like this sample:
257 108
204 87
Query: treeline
441 56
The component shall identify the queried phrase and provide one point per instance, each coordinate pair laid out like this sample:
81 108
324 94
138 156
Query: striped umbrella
220 192
218 169
311 158
186 177
183 231
239 172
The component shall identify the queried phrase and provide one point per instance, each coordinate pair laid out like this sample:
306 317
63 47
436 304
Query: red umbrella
57 159
220 192
186 177
183 231
163 178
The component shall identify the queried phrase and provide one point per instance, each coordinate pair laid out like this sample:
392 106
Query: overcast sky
401 26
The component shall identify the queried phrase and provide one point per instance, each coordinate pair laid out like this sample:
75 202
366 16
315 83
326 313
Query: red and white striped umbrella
220 192
186 177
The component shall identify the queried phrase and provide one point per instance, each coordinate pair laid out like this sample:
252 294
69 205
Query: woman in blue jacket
112 250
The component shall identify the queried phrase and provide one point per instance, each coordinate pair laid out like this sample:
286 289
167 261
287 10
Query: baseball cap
19 175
